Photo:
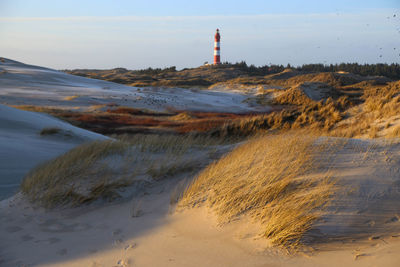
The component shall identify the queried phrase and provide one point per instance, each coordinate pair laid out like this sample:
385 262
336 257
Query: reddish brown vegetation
121 120
108 123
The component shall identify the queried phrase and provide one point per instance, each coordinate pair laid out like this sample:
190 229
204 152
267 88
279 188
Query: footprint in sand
19 263
376 237
96 264
62 252
130 246
26 237
118 242
359 255
13 229
393 219
92 250
27 218
48 241
370 223
124 263
116 232
55 226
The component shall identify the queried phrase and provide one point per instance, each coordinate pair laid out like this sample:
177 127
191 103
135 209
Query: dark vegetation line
388 70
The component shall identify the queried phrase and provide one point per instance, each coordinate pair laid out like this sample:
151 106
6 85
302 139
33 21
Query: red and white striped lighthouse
217 48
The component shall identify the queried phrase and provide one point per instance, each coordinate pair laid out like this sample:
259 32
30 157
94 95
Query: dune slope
29 138
22 84
359 226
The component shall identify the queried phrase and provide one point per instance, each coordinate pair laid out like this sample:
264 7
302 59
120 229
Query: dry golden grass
184 116
175 150
293 96
57 181
171 144
267 180
42 109
373 131
256 124
395 132
98 170
171 166
351 130
319 117
329 78
69 98
95 108
383 101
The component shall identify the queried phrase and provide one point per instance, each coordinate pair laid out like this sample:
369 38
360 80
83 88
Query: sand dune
360 228
22 146
22 84
357 225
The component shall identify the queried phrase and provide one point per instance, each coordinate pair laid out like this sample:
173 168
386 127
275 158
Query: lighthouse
217 48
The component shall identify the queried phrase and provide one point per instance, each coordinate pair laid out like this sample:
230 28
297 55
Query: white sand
23 84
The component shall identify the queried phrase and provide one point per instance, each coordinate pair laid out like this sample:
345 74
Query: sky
69 34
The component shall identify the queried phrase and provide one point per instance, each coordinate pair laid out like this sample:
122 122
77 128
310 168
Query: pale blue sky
154 33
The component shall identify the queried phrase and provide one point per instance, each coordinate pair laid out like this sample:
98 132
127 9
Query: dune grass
319 116
98 170
268 180
172 143
395 132
56 182
382 103
174 152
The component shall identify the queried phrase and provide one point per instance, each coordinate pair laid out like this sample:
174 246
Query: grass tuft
60 181
268 180
50 131
70 98
98 170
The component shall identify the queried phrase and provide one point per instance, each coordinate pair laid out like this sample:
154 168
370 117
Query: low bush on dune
266 179
50 131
